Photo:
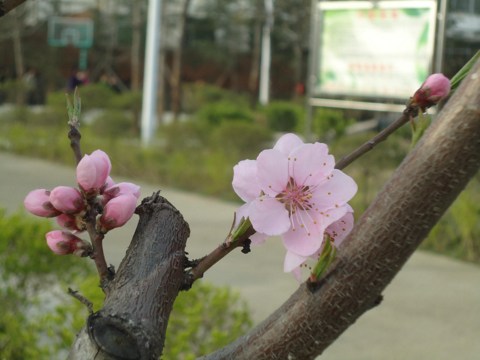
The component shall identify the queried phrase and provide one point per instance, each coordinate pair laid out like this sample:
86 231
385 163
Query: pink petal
337 190
293 261
287 143
67 199
245 181
334 214
242 212
272 171
38 203
258 238
103 167
118 211
122 189
269 216
302 242
310 164
341 228
93 171
86 173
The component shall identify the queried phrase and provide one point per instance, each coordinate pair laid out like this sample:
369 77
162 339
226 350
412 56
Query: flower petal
292 261
287 143
337 190
272 171
258 238
269 216
341 228
245 181
302 242
311 164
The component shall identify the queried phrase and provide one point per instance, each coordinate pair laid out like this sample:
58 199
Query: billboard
373 49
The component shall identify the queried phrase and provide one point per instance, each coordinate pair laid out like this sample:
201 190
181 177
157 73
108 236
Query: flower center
295 197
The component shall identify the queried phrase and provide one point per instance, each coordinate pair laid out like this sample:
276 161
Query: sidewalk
430 311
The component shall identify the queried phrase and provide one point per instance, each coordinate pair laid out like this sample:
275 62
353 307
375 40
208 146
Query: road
431 310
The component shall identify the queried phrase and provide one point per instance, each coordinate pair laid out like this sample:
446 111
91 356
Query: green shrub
113 123
96 96
283 116
328 123
216 113
199 94
243 140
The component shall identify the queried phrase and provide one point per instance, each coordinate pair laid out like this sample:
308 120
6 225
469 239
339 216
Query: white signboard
380 49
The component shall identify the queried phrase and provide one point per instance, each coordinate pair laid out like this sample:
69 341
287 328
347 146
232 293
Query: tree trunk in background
136 44
18 55
255 67
177 62
8 5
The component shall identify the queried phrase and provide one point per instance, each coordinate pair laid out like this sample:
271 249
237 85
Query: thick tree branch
410 204
8 5
133 321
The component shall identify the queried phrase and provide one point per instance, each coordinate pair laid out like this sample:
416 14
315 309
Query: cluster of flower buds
97 194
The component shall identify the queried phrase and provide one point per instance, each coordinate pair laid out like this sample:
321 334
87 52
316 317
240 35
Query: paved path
430 311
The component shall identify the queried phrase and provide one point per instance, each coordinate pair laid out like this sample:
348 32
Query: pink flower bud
67 199
118 211
70 222
121 189
93 171
434 89
64 242
38 203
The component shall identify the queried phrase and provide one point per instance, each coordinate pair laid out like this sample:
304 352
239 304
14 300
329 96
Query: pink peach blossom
294 191
118 211
64 243
434 89
93 171
38 203
67 199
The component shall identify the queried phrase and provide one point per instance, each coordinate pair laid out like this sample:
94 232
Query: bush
113 123
283 116
216 113
328 123
202 319
197 95
242 140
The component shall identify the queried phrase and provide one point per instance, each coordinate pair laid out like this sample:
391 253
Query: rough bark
8 5
133 321
406 209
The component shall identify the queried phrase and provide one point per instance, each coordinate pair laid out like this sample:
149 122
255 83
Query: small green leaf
244 225
326 258
460 75
423 122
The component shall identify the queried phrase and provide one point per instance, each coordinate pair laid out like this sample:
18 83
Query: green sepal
327 256
423 122
460 75
241 229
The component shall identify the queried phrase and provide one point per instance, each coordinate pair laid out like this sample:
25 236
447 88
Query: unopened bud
434 89
67 199
64 243
38 203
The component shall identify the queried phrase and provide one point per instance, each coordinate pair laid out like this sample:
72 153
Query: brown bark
133 321
136 43
8 5
177 62
409 205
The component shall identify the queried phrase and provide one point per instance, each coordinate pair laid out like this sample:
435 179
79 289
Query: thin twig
409 113
82 299
215 256
75 136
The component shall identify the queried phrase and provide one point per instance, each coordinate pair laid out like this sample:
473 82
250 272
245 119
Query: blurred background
212 110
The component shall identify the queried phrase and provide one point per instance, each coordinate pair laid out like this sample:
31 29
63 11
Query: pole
310 83
264 93
151 71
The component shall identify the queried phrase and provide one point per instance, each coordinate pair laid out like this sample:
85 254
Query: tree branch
8 5
133 321
410 204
